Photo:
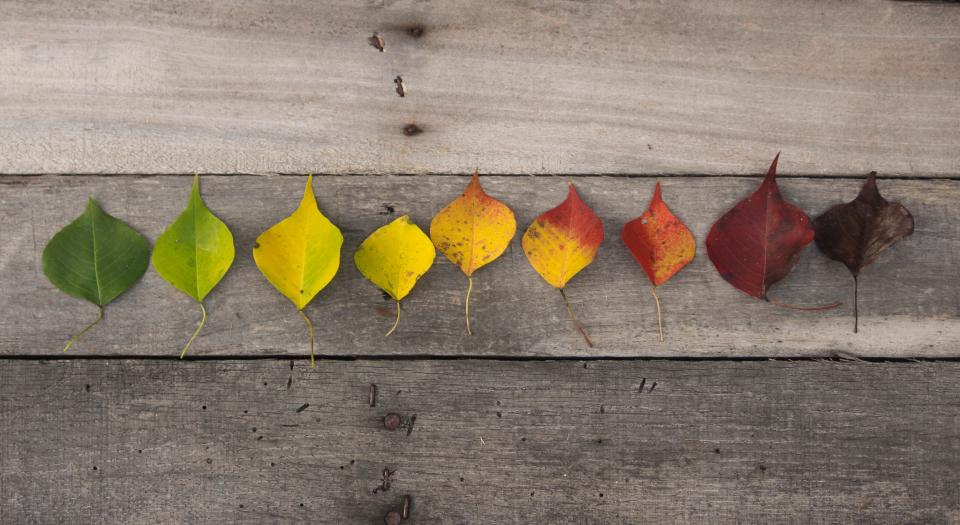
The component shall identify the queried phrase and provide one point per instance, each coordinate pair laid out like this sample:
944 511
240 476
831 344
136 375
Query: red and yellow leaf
563 241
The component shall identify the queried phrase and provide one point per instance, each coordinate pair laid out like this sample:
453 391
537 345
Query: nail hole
412 130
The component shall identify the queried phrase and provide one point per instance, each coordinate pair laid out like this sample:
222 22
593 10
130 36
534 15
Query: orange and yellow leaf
474 229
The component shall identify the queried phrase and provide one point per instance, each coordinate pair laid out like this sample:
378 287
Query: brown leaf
857 232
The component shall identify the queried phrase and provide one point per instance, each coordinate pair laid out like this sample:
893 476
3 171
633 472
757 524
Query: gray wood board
493 442
713 86
909 301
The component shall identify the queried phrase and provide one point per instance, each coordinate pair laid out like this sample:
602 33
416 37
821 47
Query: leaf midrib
96 265
196 249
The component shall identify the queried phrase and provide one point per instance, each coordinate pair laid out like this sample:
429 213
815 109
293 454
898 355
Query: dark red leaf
857 232
759 241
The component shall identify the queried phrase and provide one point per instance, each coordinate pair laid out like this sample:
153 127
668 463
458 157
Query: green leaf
300 255
194 252
96 257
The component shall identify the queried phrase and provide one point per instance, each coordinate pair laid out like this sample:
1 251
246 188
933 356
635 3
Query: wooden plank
712 86
910 299
493 442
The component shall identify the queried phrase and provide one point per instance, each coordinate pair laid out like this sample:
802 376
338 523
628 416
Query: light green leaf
194 252
96 257
300 254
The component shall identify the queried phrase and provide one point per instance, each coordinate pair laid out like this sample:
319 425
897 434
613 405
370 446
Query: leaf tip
308 190
92 203
474 185
869 191
772 172
195 190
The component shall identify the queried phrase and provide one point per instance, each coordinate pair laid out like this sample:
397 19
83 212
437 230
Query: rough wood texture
910 298
532 87
493 442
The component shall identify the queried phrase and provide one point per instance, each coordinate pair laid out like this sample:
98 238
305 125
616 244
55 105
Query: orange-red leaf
659 241
564 240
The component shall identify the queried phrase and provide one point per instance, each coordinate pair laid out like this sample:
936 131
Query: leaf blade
474 229
564 240
395 256
857 232
300 255
659 241
196 250
759 241
96 257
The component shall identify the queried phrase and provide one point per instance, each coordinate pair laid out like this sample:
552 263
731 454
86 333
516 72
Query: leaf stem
395 323
203 321
467 303
574 319
310 331
814 308
659 318
856 314
81 332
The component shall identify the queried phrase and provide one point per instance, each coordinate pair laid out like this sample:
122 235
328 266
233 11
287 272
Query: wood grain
493 442
713 86
910 298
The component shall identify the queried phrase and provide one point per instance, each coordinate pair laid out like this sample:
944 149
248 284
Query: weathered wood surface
909 301
493 442
713 86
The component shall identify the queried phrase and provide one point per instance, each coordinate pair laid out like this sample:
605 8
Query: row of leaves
753 245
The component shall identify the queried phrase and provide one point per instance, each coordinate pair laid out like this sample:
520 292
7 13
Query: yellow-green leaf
472 231
300 254
194 252
394 257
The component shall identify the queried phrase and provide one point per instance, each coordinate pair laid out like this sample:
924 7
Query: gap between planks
758 175
835 357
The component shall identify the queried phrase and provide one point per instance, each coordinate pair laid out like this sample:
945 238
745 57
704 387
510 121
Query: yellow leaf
474 229
394 257
300 254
